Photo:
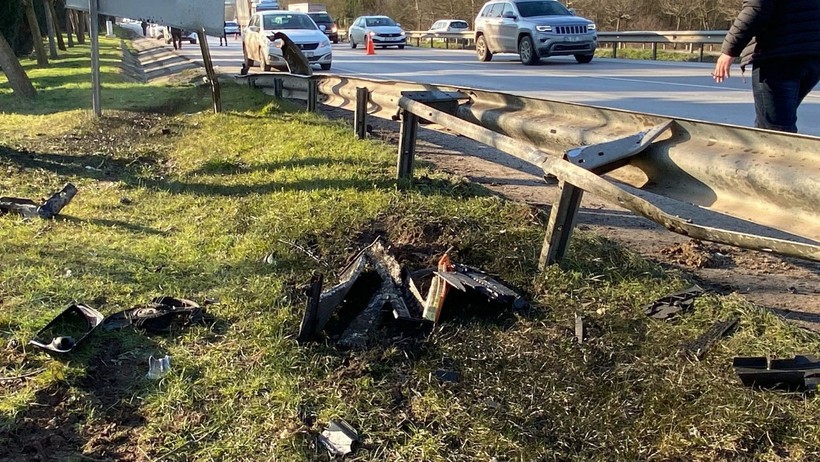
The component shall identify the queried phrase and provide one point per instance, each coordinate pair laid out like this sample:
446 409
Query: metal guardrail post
615 49
654 51
407 144
278 88
700 59
360 119
562 221
313 95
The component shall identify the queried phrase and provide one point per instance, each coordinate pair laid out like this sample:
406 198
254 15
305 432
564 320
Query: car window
373 22
321 17
288 21
542 8
508 9
436 25
459 25
495 11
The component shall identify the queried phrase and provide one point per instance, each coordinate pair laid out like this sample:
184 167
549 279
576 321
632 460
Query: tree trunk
19 81
39 49
52 39
79 17
60 42
69 28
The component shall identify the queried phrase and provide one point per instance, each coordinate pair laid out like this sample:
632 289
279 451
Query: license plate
571 39
308 54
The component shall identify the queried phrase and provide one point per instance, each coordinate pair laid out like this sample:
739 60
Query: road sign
186 14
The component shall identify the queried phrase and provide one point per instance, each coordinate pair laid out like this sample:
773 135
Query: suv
533 29
326 24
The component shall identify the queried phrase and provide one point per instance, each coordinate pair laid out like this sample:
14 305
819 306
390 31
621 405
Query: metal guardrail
700 38
708 181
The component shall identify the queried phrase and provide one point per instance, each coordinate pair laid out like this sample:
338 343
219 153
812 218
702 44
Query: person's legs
776 88
810 76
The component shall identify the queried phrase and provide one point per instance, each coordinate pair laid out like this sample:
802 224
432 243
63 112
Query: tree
39 48
19 81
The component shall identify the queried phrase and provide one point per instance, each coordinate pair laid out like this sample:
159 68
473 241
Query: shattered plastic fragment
50 208
669 306
339 438
157 316
158 368
801 373
67 329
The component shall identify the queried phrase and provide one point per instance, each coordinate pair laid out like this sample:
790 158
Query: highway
682 90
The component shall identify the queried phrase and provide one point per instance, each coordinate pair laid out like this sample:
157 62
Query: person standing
780 39
224 37
144 25
176 37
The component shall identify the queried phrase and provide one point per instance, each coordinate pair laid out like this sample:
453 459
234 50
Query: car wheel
352 42
248 61
583 59
481 49
526 51
264 63
401 47
335 40
325 67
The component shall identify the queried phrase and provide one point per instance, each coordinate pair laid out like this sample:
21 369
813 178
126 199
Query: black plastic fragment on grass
671 305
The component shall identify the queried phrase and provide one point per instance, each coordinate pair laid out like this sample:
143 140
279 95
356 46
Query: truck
246 8
307 7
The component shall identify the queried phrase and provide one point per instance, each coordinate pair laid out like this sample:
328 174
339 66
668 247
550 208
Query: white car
449 25
258 45
383 30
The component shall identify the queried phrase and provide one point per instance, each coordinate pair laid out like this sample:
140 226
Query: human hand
722 67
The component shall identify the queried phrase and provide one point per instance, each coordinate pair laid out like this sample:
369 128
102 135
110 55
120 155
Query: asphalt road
682 90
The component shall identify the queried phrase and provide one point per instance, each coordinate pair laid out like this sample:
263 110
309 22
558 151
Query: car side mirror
398 24
253 28
322 27
572 11
508 15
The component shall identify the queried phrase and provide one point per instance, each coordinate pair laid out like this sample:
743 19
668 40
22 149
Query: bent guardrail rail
718 179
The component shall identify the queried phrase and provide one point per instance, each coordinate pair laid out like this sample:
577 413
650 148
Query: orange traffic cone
369 48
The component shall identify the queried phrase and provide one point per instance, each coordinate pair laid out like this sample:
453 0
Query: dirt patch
788 286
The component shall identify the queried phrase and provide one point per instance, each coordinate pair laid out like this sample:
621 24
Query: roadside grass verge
681 55
241 208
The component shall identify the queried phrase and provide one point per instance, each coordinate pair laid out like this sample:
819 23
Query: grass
175 200
662 55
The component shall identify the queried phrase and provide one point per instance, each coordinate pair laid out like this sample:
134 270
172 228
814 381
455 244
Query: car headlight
591 27
334 28
324 43
401 33
543 28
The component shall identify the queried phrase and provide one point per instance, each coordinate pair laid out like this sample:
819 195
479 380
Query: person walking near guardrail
176 37
780 40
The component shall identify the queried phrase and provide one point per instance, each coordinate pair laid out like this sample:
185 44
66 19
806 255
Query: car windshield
371 22
321 17
542 8
287 21
459 25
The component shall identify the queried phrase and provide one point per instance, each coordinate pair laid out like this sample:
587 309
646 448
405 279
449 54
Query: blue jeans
779 86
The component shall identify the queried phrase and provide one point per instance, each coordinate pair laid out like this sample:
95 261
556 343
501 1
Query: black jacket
769 29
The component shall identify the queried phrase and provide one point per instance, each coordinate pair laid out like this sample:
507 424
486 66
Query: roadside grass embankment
241 208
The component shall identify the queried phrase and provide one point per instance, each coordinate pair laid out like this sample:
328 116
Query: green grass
210 196
662 55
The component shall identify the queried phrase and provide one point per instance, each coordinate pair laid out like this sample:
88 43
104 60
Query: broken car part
801 373
158 368
697 349
158 316
671 305
68 329
50 208
339 438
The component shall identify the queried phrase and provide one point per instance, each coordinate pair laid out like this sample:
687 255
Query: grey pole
95 57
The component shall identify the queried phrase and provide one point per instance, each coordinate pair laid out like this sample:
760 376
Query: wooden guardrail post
407 144
562 221
360 117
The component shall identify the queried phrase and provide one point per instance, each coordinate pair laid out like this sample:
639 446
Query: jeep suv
533 29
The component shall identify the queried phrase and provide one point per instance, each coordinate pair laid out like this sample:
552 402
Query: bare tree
39 49
52 39
19 81
60 42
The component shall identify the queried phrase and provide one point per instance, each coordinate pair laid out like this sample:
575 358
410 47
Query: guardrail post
360 118
313 95
278 88
407 144
562 221
701 53
654 51
615 49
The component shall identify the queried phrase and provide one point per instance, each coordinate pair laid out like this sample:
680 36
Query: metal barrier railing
714 177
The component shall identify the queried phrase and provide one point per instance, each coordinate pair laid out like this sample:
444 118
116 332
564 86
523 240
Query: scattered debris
801 373
158 368
68 329
447 376
580 331
158 316
671 305
697 349
339 438
49 208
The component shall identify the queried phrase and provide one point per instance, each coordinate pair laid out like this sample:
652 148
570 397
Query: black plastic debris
671 305
801 373
50 208
339 438
161 315
67 329
447 376
698 348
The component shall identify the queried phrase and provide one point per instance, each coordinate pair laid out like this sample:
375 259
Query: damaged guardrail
704 180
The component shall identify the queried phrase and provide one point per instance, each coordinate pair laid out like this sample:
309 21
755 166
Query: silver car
533 29
259 46
383 30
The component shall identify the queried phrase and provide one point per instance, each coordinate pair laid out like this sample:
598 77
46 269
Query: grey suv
533 29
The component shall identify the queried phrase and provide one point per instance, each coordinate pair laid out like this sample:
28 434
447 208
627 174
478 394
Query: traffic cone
370 49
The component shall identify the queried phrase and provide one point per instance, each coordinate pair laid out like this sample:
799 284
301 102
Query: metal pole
360 120
407 144
216 93
654 51
94 31
562 221
278 88
313 95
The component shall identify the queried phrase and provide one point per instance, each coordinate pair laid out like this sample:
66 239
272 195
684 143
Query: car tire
264 63
584 59
526 51
325 67
481 49
352 42
248 61
401 47
336 40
